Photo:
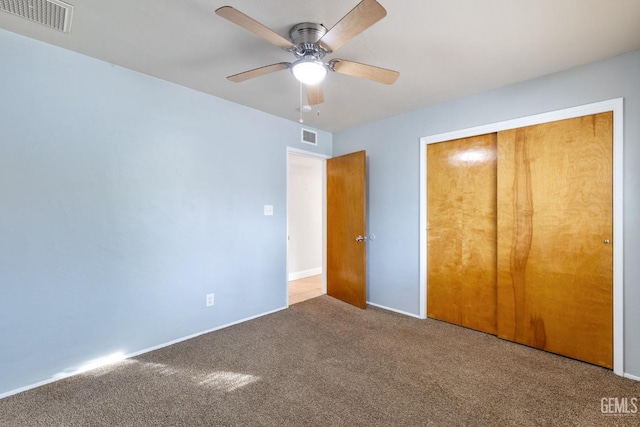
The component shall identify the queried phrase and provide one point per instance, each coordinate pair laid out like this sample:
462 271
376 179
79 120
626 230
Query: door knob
361 238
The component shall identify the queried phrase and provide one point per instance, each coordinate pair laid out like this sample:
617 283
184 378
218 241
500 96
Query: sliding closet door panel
555 225
461 240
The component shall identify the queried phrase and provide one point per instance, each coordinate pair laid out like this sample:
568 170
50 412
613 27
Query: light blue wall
393 153
124 200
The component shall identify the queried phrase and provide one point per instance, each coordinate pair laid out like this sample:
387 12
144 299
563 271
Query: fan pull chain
300 109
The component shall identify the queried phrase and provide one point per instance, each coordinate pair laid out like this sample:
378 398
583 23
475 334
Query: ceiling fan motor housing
305 37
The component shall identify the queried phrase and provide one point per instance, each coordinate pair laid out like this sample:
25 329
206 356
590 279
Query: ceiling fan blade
257 72
361 17
314 94
364 71
234 15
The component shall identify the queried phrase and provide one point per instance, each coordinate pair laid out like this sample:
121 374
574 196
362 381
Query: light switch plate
268 209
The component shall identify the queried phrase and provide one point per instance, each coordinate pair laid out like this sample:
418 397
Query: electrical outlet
210 300
268 210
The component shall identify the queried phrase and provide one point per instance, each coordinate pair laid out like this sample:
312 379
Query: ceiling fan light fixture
309 71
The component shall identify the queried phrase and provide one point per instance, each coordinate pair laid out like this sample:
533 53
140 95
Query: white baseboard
61 376
631 377
406 313
306 273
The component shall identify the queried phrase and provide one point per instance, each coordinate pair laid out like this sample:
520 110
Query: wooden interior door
555 257
461 236
346 222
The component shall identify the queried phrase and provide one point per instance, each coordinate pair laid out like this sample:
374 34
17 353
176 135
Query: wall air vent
52 13
310 137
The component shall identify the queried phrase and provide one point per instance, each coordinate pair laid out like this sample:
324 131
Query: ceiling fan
310 42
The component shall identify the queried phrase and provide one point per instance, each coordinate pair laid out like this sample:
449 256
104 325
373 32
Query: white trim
423 229
324 227
301 152
306 273
618 237
64 375
406 313
297 151
632 377
551 116
615 105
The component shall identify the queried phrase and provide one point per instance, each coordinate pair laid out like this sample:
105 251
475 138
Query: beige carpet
324 363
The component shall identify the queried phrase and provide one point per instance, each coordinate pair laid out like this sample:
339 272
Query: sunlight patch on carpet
93 365
159 368
226 381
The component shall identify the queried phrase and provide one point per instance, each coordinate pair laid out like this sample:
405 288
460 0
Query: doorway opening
306 225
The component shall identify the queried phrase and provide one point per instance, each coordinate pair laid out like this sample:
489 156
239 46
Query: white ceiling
443 49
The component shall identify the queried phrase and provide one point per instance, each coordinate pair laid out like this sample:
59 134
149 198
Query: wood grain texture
461 240
346 219
364 71
555 273
365 14
234 15
257 72
314 94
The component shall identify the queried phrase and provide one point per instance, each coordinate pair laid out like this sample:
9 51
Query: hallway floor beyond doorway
304 289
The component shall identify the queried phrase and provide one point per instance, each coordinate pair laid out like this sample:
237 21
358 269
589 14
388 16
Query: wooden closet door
555 257
461 240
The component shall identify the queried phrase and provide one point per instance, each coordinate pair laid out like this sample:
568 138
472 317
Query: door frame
323 158
614 105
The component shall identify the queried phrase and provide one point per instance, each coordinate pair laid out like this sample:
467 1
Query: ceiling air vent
310 137
52 13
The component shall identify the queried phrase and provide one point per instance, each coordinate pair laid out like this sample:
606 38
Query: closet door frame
616 106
